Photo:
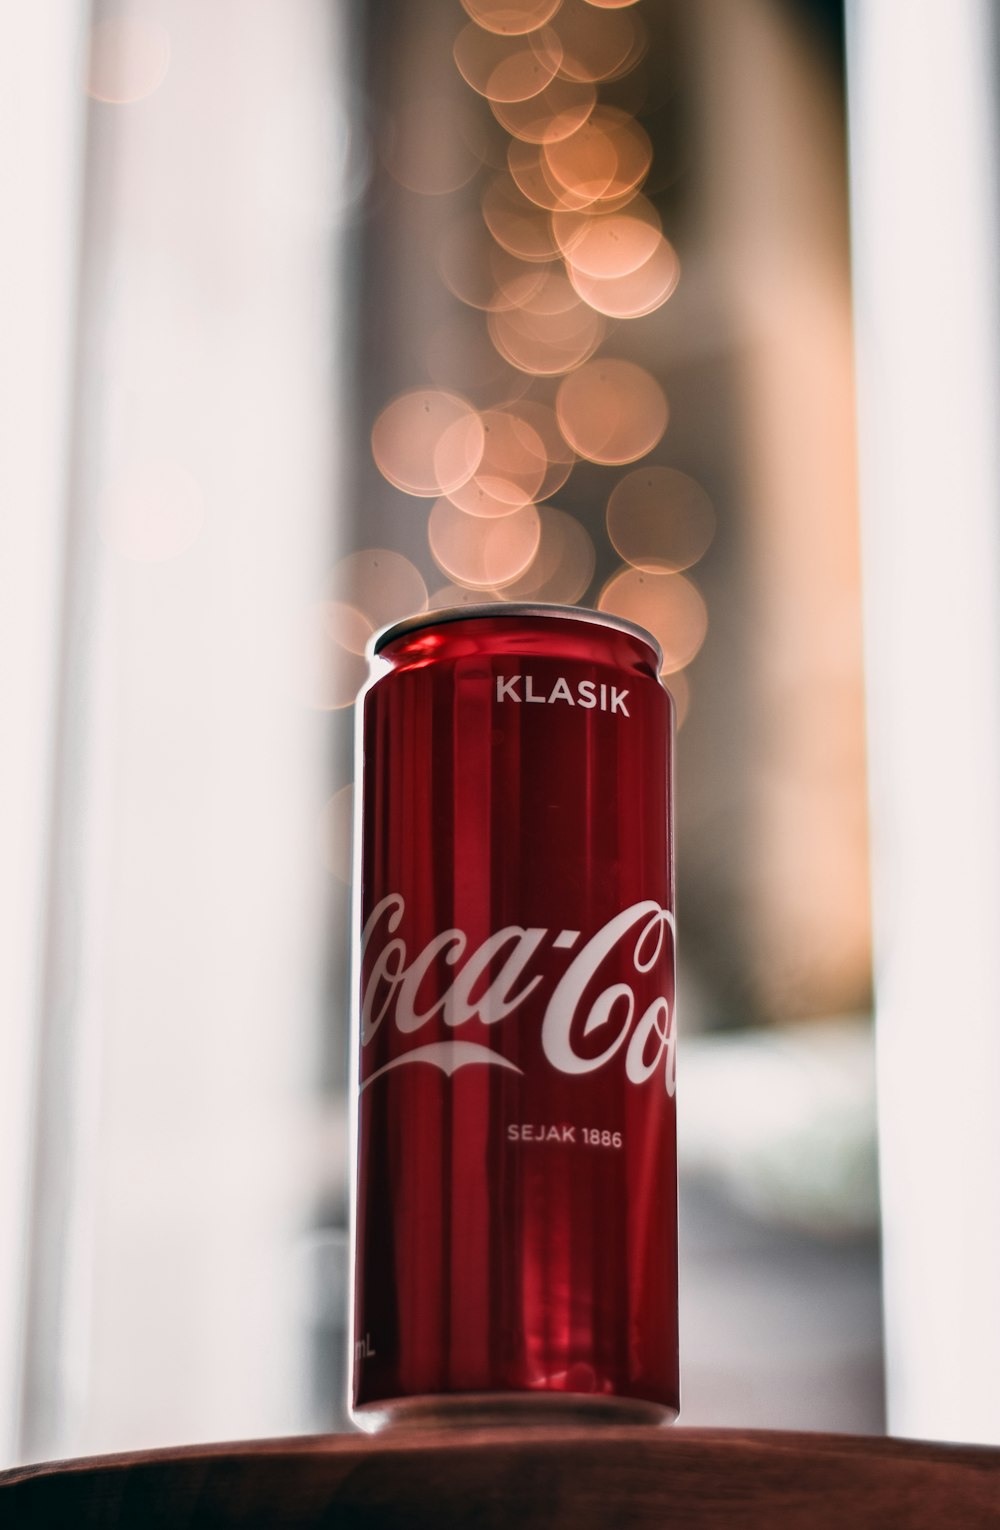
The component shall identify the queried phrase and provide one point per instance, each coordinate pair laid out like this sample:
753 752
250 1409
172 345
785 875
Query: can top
512 608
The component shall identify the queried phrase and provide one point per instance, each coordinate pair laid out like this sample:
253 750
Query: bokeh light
552 330
608 244
516 222
129 58
531 176
547 344
152 511
427 442
381 585
667 605
597 42
511 471
566 242
535 181
556 112
608 157
585 163
660 520
563 565
611 411
511 19
634 293
331 667
507 68
336 834
482 552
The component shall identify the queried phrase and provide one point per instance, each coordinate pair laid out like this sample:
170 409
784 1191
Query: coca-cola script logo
493 981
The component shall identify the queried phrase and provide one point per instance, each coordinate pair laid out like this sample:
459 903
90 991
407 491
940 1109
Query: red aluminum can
514 1226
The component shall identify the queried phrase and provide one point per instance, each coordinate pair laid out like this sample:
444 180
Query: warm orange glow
483 553
533 178
511 471
660 520
607 157
634 293
153 511
611 5
381 586
598 43
607 245
563 566
560 457
332 670
611 411
507 68
516 223
547 344
427 442
422 150
586 163
667 605
336 834
129 59
482 273
556 112
511 19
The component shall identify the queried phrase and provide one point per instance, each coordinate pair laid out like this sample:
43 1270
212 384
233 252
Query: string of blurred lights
564 246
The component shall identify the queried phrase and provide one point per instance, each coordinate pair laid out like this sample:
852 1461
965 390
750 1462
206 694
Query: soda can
514 1217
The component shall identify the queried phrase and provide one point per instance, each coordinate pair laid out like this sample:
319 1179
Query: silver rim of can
514 609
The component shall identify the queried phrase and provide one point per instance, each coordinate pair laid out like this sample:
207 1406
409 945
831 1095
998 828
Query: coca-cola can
514 1221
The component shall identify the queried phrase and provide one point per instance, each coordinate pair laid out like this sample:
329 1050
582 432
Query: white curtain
923 110
175 189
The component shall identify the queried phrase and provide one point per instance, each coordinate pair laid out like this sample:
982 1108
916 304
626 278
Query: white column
42 115
923 130
186 954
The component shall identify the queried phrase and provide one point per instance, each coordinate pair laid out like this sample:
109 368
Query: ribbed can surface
515 1207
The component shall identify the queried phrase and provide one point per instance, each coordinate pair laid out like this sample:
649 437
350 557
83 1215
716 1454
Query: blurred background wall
267 268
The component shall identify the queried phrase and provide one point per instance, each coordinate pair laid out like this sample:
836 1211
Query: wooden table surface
522 1477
